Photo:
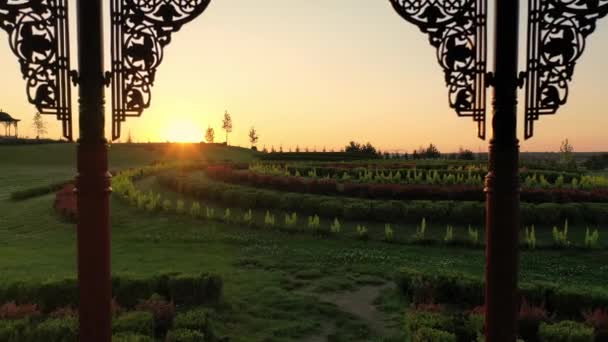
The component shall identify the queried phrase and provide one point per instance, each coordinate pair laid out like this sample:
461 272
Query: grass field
278 286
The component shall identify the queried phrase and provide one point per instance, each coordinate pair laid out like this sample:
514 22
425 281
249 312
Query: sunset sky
320 73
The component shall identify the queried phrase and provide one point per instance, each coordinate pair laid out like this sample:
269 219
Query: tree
39 125
227 124
566 156
465 154
210 135
253 138
432 152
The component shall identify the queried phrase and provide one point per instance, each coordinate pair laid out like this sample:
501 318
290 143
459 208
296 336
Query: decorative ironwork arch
141 29
458 30
39 37
557 30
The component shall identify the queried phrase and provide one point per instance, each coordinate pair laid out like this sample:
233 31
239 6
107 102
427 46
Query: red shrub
66 203
162 310
598 319
429 307
64 312
11 310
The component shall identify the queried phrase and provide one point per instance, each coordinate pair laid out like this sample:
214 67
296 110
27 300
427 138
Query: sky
320 73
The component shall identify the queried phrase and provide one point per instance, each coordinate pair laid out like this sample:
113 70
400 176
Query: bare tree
227 125
253 138
39 125
210 135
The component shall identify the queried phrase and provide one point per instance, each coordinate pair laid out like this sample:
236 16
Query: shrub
388 233
291 221
14 330
565 331
314 223
449 234
560 238
335 227
195 320
433 335
530 237
473 236
269 220
13 311
134 322
127 337
248 217
167 205
195 210
56 330
362 232
416 320
209 213
227 215
201 289
529 319
185 335
592 239
162 311
180 207
420 234
64 312
598 319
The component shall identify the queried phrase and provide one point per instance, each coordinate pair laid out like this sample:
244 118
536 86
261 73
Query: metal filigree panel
557 30
141 29
39 37
457 28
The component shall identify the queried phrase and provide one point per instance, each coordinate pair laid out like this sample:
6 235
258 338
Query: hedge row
317 156
468 291
37 191
133 326
402 192
453 212
180 288
426 326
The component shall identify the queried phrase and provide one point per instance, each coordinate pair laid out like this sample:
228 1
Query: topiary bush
185 335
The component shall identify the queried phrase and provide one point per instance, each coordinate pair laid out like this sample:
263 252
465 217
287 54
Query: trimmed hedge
139 322
468 291
566 331
453 212
182 289
185 335
417 190
37 191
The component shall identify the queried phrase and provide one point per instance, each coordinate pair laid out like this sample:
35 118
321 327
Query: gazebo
8 121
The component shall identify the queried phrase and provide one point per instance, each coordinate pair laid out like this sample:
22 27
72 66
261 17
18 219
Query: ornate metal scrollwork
140 31
39 37
457 28
557 30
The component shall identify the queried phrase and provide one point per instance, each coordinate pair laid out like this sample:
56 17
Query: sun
183 132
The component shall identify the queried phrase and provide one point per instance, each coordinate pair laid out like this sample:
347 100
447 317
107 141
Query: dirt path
360 303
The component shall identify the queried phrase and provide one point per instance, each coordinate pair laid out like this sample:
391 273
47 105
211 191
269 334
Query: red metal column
502 184
93 181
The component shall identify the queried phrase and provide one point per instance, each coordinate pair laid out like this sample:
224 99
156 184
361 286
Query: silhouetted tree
227 125
465 154
39 125
253 138
566 157
210 135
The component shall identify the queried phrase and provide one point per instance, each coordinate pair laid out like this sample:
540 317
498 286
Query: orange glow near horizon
182 131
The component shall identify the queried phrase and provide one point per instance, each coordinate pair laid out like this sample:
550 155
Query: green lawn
278 286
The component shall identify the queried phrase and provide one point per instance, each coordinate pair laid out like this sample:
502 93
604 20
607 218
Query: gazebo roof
5 117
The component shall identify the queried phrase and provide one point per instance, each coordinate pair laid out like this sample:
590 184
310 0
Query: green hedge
198 289
37 191
566 331
139 322
52 330
468 291
453 212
